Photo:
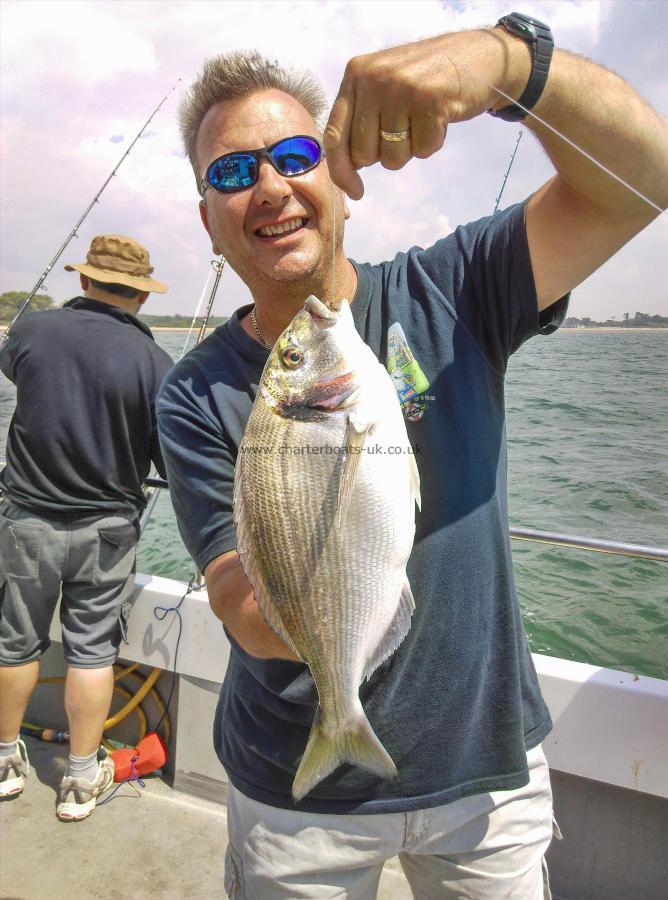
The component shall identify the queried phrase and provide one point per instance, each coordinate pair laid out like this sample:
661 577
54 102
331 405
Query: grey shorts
90 562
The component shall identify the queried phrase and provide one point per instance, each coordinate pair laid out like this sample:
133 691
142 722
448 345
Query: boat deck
160 844
606 753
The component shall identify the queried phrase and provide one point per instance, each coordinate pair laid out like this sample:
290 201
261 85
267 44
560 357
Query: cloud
88 40
395 215
80 79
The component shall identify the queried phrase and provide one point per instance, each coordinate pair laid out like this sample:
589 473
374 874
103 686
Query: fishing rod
218 269
95 199
153 484
505 177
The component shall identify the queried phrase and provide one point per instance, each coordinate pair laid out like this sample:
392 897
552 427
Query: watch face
523 26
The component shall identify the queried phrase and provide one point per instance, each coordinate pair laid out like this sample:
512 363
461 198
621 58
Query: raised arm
579 218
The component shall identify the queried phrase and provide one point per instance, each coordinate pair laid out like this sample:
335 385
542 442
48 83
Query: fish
325 493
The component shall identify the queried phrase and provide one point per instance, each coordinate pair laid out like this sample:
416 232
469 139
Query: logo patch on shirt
409 380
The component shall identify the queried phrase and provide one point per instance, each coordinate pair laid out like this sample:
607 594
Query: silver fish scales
325 493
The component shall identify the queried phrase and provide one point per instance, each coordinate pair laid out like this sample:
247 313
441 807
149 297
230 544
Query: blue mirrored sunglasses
238 171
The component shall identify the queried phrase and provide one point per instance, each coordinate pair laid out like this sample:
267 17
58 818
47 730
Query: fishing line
196 315
152 492
132 777
571 143
92 203
160 612
218 265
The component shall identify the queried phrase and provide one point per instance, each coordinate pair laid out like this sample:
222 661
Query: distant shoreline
176 328
588 328
612 328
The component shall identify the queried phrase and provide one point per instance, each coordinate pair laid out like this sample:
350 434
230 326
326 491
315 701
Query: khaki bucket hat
118 259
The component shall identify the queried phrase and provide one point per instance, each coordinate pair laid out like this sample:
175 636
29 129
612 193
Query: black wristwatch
539 36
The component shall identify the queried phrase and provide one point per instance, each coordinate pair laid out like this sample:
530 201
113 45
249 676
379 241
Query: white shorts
485 847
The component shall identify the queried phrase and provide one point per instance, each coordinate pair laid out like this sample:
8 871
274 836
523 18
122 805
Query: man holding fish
380 697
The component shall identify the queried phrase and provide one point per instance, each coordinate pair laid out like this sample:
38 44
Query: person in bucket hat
80 444
118 259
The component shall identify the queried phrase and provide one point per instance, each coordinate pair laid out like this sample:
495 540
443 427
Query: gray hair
232 76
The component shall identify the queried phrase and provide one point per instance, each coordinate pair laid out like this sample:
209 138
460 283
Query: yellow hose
141 715
157 699
133 701
118 676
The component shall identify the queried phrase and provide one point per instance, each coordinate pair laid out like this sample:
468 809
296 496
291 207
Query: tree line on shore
640 320
11 302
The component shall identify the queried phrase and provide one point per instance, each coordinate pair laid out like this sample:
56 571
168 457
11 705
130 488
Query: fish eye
293 357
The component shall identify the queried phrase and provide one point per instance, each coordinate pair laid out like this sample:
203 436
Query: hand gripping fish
324 503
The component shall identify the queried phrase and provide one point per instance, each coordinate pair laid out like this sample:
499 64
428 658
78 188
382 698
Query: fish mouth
322 315
328 395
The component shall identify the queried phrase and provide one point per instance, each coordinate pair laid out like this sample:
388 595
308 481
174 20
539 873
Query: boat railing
155 484
576 542
639 551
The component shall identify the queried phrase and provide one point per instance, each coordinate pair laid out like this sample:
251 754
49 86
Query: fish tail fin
357 745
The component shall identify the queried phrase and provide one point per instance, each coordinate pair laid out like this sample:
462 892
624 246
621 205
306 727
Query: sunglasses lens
236 171
232 172
296 155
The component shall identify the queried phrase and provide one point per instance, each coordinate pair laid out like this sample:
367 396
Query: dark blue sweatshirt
83 433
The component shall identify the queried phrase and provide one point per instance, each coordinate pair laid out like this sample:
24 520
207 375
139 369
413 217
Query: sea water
588 455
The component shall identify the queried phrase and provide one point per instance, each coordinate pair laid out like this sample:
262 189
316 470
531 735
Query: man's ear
84 281
204 216
143 297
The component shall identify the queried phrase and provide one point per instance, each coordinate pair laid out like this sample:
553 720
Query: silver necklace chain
256 327
258 332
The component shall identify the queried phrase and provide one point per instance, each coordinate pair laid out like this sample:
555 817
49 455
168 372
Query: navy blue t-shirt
83 434
458 704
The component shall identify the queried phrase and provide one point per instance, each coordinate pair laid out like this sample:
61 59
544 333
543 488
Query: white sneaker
77 796
14 770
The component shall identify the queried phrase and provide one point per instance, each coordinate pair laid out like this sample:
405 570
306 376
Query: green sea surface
588 455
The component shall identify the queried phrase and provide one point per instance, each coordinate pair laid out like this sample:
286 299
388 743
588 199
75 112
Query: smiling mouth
289 227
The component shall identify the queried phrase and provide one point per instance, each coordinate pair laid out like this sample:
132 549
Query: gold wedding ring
393 136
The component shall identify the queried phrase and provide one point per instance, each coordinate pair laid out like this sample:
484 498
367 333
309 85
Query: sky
79 78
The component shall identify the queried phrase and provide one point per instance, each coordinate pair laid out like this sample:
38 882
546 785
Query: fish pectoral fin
251 566
356 435
397 631
357 745
414 476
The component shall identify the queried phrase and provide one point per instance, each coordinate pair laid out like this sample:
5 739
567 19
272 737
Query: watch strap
539 36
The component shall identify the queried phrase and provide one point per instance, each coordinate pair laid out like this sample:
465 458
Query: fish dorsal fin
395 633
356 435
251 564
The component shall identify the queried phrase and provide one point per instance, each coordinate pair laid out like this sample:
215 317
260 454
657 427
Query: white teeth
270 230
